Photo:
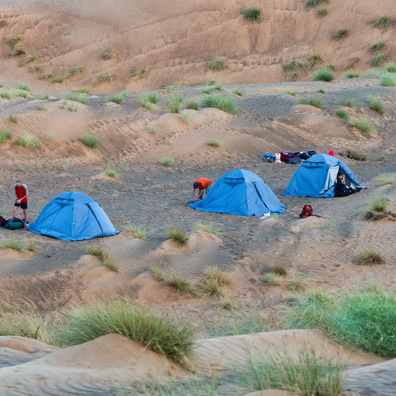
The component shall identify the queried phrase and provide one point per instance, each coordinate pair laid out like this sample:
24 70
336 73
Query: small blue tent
317 175
73 216
240 192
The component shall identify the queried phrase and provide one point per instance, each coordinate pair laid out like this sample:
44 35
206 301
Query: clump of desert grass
135 229
208 227
118 98
148 100
108 77
307 374
279 268
207 90
273 279
343 114
29 141
378 208
214 143
168 161
353 154
77 97
364 318
323 75
221 102
377 47
314 60
252 14
177 235
352 74
174 105
5 134
321 12
179 283
315 3
153 129
390 67
297 284
217 63
347 103
312 101
213 282
19 246
109 54
375 103
104 257
290 92
340 34
383 180
378 60
368 257
192 105
111 173
5 95
382 22
23 87
387 80
364 126
43 96
137 73
90 141
238 92
163 335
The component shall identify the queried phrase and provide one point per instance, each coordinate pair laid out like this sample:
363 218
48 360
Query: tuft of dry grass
103 257
178 235
368 257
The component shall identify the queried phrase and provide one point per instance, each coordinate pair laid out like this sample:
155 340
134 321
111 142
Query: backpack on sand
307 211
14 224
3 221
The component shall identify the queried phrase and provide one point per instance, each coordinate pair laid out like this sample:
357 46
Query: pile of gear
288 157
12 224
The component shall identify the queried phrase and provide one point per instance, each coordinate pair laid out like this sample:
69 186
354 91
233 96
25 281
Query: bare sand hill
174 42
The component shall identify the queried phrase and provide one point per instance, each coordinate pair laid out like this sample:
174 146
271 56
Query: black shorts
22 205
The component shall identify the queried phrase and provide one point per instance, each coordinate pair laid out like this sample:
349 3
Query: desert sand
172 42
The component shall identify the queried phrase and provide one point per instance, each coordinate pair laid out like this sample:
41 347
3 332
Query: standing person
21 194
202 186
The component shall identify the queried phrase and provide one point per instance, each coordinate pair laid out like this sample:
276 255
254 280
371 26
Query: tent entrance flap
330 178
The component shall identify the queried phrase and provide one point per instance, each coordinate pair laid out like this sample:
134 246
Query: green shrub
362 319
178 235
29 141
90 141
227 303
340 34
221 102
312 101
138 231
109 54
343 114
321 12
217 63
5 134
210 287
103 257
168 161
315 3
174 106
252 14
208 83
306 375
206 91
118 98
42 96
388 80
353 154
12 244
169 88
292 93
314 60
376 104
81 98
163 335
153 130
238 92
111 173
364 126
85 90
137 73
214 273
214 143
279 269
368 257
150 97
185 117
13 118
352 74
273 279
297 284
207 227
382 22
21 94
378 61
192 105
40 107
390 67
347 102
158 273
377 47
5 95
379 204
323 75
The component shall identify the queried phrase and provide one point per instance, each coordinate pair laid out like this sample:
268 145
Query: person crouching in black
341 189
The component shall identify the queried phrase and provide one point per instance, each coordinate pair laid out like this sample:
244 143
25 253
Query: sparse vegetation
138 231
323 75
106 78
118 98
150 97
163 335
347 103
388 80
18 49
368 257
5 95
207 227
376 104
321 12
46 74
340 34
168 161
252 14
379 204
289 92
214 143
382 22
192 105
238 92
137 73
217 63
185 117
158 273
90 141
377 47
343 114
364 126
214 273
178 235
77 97
103 257
297 284
352 74
351 63
312 101
43 96
28 58
109 54
279 268
111 173
3 23
314 60
221 102
181 284
315 3
273 279
390 67
29 141
378 61
174 105
353 154
5 134
307 375
76 71
206 91
383 180
153 129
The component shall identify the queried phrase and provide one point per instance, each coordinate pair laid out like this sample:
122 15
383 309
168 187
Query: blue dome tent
73 216
317 175
240 192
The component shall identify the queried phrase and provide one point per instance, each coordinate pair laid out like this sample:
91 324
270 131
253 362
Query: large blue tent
316 177
73 216
240 192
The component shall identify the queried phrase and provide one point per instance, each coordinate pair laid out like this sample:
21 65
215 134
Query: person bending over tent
341 189
203 186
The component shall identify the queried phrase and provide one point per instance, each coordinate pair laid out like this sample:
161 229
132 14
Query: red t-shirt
21 191
203 183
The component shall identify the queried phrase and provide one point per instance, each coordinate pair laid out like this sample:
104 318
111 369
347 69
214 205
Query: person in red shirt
203 186
21 194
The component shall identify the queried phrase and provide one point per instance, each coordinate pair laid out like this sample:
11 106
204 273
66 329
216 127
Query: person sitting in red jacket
202 185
